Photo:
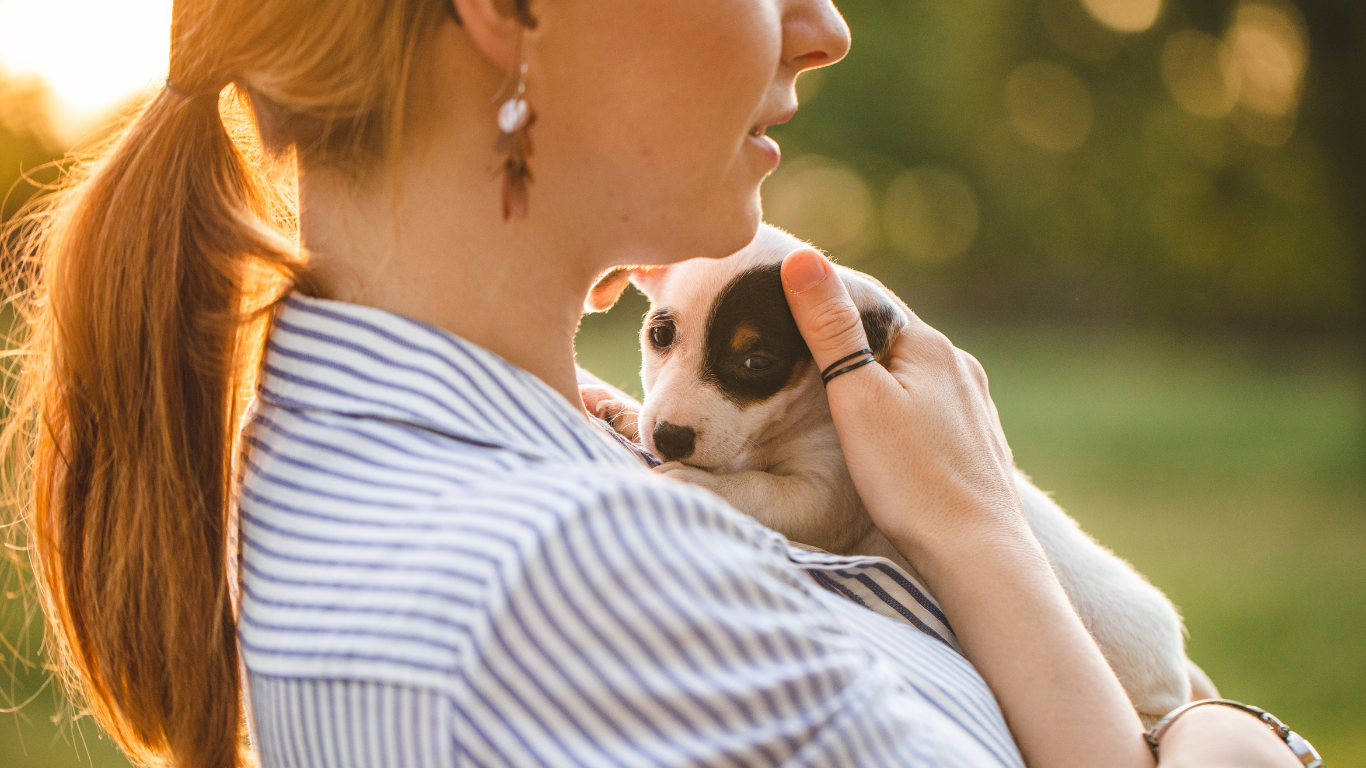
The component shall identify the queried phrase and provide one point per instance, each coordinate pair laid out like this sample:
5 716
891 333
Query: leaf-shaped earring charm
515 119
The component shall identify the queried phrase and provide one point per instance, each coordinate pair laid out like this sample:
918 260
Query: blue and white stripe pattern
444 563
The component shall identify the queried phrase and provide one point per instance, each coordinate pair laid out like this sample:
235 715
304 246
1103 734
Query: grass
1231 474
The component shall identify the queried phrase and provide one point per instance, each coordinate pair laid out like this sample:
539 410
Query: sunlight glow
93 54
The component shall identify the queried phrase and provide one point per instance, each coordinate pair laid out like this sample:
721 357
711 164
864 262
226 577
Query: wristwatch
1297 743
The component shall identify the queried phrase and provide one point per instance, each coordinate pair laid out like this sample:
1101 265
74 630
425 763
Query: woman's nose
814 34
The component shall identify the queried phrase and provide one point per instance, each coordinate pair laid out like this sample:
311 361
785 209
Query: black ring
844 360
826 378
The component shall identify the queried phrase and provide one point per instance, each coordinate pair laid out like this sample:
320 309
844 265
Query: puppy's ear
609 287
883 316
649 280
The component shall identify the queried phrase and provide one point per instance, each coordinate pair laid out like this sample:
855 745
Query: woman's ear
494 27
610 286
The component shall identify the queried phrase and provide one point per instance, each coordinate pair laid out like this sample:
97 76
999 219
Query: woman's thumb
825 314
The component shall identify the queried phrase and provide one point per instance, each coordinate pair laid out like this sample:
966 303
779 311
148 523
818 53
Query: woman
443 559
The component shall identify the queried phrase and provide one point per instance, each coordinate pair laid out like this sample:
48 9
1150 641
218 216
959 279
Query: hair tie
187 96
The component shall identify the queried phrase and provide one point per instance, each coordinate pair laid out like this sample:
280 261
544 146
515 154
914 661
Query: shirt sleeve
659 627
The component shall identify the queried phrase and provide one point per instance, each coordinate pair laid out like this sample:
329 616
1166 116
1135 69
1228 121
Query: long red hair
144 287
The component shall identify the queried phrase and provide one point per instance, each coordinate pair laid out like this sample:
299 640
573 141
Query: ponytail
140 348
150 281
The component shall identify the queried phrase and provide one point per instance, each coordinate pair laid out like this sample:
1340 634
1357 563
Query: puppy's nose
673 442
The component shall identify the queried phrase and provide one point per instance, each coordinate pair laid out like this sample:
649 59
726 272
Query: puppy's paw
680 471
614 407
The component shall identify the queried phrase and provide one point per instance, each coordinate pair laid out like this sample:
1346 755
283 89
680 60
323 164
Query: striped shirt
444 563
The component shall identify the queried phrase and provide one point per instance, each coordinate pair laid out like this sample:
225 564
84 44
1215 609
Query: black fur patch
753 310
879 323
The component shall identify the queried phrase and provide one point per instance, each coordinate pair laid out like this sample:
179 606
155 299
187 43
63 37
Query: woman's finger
825 314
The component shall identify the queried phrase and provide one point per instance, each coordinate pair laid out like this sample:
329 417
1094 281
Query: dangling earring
515 119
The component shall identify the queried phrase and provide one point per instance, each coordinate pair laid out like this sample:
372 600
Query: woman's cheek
646 106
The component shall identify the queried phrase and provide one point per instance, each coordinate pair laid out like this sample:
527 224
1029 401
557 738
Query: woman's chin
712 230
720 236
739 230
736 236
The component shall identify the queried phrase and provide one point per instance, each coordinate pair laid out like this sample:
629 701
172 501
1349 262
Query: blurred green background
1148 219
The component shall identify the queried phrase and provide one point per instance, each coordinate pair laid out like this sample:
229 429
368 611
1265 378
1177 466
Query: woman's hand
926 451
921 435
610 404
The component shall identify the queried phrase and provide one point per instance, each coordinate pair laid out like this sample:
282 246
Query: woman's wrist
971 547
1223 737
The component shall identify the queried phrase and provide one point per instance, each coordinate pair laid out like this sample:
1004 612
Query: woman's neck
431 244
424 236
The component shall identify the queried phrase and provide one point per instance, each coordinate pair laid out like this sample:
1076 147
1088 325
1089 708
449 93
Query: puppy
734 403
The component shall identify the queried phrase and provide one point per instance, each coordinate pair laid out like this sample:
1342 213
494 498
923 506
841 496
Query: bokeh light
1271 52
821 200
1200 73
1049 105
930 214
1125 15
123 50
1255 74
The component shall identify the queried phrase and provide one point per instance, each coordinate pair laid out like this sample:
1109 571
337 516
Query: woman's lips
768 147
758 136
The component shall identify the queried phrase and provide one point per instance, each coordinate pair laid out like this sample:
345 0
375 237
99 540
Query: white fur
1137 628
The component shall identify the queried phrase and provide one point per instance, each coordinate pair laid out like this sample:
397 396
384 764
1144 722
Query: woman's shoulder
380 556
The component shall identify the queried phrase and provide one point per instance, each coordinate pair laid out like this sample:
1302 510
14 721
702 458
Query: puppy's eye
758 363
662 335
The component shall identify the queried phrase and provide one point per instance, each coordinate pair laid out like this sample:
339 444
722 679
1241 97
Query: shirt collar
366 362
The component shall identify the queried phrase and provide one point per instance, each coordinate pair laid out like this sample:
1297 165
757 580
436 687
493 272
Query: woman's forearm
1063 704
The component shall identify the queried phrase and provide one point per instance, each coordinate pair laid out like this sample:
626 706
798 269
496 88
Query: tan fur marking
743 336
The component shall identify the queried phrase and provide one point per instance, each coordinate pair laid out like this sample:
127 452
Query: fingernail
804 270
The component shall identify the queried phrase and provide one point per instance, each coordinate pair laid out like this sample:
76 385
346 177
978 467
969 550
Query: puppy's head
725 370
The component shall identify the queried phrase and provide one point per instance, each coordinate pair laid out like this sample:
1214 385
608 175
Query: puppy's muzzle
672 442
